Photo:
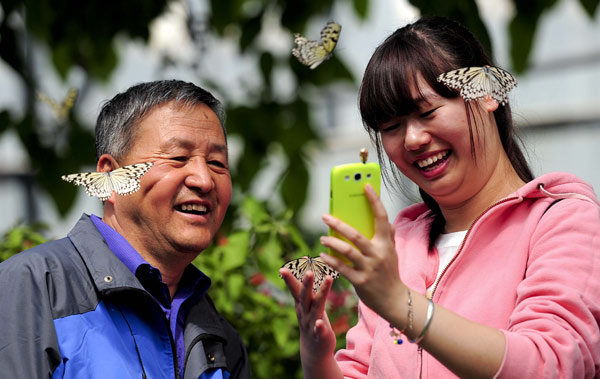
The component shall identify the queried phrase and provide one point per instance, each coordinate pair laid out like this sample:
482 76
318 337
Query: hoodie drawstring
565 195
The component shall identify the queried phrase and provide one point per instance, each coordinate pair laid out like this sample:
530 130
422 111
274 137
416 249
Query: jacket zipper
171 337
430 295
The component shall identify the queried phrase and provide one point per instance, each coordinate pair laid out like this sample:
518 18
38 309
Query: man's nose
199 175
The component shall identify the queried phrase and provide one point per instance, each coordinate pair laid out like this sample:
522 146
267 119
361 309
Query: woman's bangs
386 91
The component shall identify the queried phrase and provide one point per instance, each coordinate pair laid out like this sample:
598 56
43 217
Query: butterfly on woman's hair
312 53
123 180
480 82
299 267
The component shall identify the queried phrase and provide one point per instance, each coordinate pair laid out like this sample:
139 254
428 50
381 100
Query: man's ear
106 163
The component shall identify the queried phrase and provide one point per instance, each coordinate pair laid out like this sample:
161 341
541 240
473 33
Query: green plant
247 290
19 238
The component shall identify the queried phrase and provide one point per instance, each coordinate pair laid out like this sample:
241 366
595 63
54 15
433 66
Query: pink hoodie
525 268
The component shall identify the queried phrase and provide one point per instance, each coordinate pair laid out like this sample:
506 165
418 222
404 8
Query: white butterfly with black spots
123 180
312 53
299 267
480 82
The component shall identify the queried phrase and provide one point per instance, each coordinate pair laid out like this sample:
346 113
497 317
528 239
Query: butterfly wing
94 183
123 180
321 270
504 83
477 82
309 52
330 35
62 110
299 267
126 180
312 53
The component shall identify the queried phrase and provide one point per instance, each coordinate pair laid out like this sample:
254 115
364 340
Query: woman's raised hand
374 271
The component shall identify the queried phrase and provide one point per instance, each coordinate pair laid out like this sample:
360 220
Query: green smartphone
348 201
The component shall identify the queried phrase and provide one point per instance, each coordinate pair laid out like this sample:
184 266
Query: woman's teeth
432 159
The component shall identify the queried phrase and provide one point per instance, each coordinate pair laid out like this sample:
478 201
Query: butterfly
299 267
123 180
312 53
62 110
479 82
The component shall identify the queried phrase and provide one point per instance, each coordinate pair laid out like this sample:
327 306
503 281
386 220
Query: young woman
494 274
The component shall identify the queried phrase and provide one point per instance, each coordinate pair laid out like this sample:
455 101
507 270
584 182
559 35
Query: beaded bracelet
396 335
427 322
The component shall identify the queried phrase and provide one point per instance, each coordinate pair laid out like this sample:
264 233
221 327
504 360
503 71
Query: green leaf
235 284
250 30
5 121
235 251
465 12
298 239
361 8
590 6
521 31
281 332
295 183
254 211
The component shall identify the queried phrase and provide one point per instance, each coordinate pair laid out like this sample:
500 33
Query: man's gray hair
117 121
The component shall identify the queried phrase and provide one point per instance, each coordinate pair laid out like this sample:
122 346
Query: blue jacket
71 309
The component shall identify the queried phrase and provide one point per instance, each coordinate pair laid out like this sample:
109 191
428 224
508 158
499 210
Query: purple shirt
192 286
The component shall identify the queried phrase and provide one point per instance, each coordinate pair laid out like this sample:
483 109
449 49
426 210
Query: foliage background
258 235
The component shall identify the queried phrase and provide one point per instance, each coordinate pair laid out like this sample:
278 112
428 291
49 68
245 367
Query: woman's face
432 146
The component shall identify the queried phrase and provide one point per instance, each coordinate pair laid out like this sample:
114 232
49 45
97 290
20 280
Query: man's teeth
432 159
193 207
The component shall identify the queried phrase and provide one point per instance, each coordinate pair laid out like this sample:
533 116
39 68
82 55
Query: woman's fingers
382 224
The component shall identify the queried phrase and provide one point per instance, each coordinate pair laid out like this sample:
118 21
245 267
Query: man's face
184 196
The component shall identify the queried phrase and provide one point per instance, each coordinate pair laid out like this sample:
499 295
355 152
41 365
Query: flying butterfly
480 82
62 110
299 267
312 53
123 180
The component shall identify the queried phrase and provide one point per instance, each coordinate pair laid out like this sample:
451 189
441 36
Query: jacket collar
107 271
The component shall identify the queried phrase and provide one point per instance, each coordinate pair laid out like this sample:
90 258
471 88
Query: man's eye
179 159
218 164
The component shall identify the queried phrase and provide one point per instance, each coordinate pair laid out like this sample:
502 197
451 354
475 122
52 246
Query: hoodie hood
558 185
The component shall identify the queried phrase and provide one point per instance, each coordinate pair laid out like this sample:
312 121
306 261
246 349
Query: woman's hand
374 273
317 339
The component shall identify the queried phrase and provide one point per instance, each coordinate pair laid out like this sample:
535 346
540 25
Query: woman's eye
389 128
428 113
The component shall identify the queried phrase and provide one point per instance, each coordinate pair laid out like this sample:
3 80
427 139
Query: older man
118 297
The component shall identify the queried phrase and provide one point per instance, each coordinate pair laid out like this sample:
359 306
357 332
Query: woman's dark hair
426 49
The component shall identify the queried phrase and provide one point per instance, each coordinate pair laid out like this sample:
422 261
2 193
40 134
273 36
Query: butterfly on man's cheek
123 180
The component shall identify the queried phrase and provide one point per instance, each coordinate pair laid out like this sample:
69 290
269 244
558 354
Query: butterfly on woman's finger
299 267
312 53
123 180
